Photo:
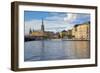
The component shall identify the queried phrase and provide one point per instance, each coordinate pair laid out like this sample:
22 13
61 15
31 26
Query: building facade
67 34
81 32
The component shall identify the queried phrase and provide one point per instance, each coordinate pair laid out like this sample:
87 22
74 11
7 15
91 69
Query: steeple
30 31
42 26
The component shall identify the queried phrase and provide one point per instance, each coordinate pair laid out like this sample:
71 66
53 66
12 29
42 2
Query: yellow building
81 32
37 33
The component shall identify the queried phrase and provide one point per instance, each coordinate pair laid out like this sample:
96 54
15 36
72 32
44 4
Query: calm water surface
56 50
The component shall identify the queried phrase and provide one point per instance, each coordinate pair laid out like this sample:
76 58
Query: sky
53 21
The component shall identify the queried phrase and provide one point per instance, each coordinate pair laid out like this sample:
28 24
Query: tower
42 26
30 31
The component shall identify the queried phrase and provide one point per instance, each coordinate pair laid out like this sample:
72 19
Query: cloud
70 17
77 18
81 18
32 24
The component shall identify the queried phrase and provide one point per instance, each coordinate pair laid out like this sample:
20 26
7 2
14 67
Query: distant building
49 34
41 34
81 31
78 32
67 34
64 34
38 34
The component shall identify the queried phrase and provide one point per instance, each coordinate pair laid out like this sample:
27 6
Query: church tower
30 31
42 26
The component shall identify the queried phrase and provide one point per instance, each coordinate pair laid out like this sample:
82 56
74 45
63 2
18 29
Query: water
56 50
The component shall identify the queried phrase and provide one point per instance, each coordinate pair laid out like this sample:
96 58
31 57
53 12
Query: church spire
30 31
42 26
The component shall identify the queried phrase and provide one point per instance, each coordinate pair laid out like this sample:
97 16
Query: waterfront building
78 32
81 31
67 34
38 34
41 34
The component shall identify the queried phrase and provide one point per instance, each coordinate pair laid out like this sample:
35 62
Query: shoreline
57 40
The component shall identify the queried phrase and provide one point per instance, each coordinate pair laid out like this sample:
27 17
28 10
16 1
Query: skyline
33 20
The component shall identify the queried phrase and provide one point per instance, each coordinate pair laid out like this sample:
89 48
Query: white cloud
70 17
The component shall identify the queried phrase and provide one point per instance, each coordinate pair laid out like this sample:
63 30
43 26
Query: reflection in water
56 50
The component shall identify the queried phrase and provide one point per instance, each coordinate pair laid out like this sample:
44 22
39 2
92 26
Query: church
39 34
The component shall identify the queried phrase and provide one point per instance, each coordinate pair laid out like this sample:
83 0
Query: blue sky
30 15
53 20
